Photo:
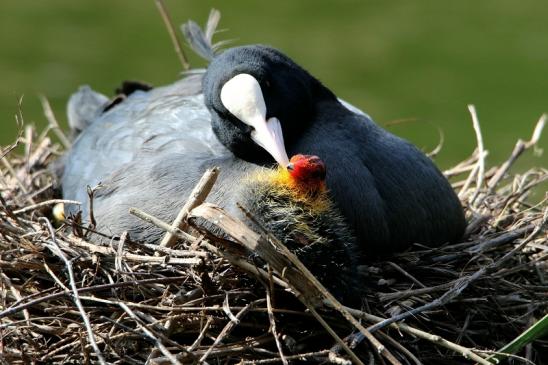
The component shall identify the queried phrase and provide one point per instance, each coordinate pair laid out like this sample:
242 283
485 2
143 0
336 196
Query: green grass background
398 60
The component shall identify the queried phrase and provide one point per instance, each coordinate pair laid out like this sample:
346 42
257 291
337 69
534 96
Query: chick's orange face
307 171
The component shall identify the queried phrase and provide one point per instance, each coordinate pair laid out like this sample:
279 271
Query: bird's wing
144 128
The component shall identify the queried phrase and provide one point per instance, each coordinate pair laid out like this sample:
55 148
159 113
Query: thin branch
54 248
150 335
53 125
45 203
197 197
172 34
482 152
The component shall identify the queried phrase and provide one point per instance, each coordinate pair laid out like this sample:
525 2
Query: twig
201 335
174 231
109 251
299 357
172 35
518 150
176 253
466 352
272 321
16 294
228 328
19 307
406 274
197 197
57 251
45 203
469 180
54 126
482 153
149 335
237 261
401 348
20 123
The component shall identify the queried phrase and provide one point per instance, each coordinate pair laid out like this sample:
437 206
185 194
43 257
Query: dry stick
197 197
482 153
12 229
406 274
227 329
174 231
176 253
273 324
54 248
28 146
432 154
201 335
40 154
8 165
45 203
233 259
19 120
233 349
299 357
182 309
172 35
466 352
109 251
228 312
48 112
333 334
16 294
400 347
462 166
469 179
119 253
519 148
149 334
56 278
19 307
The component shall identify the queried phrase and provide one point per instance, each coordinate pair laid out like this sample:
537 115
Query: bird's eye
267 83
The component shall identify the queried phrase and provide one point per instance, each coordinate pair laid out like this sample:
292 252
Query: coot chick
293 203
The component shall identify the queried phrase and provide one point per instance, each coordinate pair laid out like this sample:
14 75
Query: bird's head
306 173
258 98
301 182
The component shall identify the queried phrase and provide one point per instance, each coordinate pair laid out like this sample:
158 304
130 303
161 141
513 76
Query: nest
198 298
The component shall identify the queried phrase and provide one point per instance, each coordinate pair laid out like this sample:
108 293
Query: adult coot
391 194
150 149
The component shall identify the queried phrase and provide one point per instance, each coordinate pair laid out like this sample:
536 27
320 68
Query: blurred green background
413 66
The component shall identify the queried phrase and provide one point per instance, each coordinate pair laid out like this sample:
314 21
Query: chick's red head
307 172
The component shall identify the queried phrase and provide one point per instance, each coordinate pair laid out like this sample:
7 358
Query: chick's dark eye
267 83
